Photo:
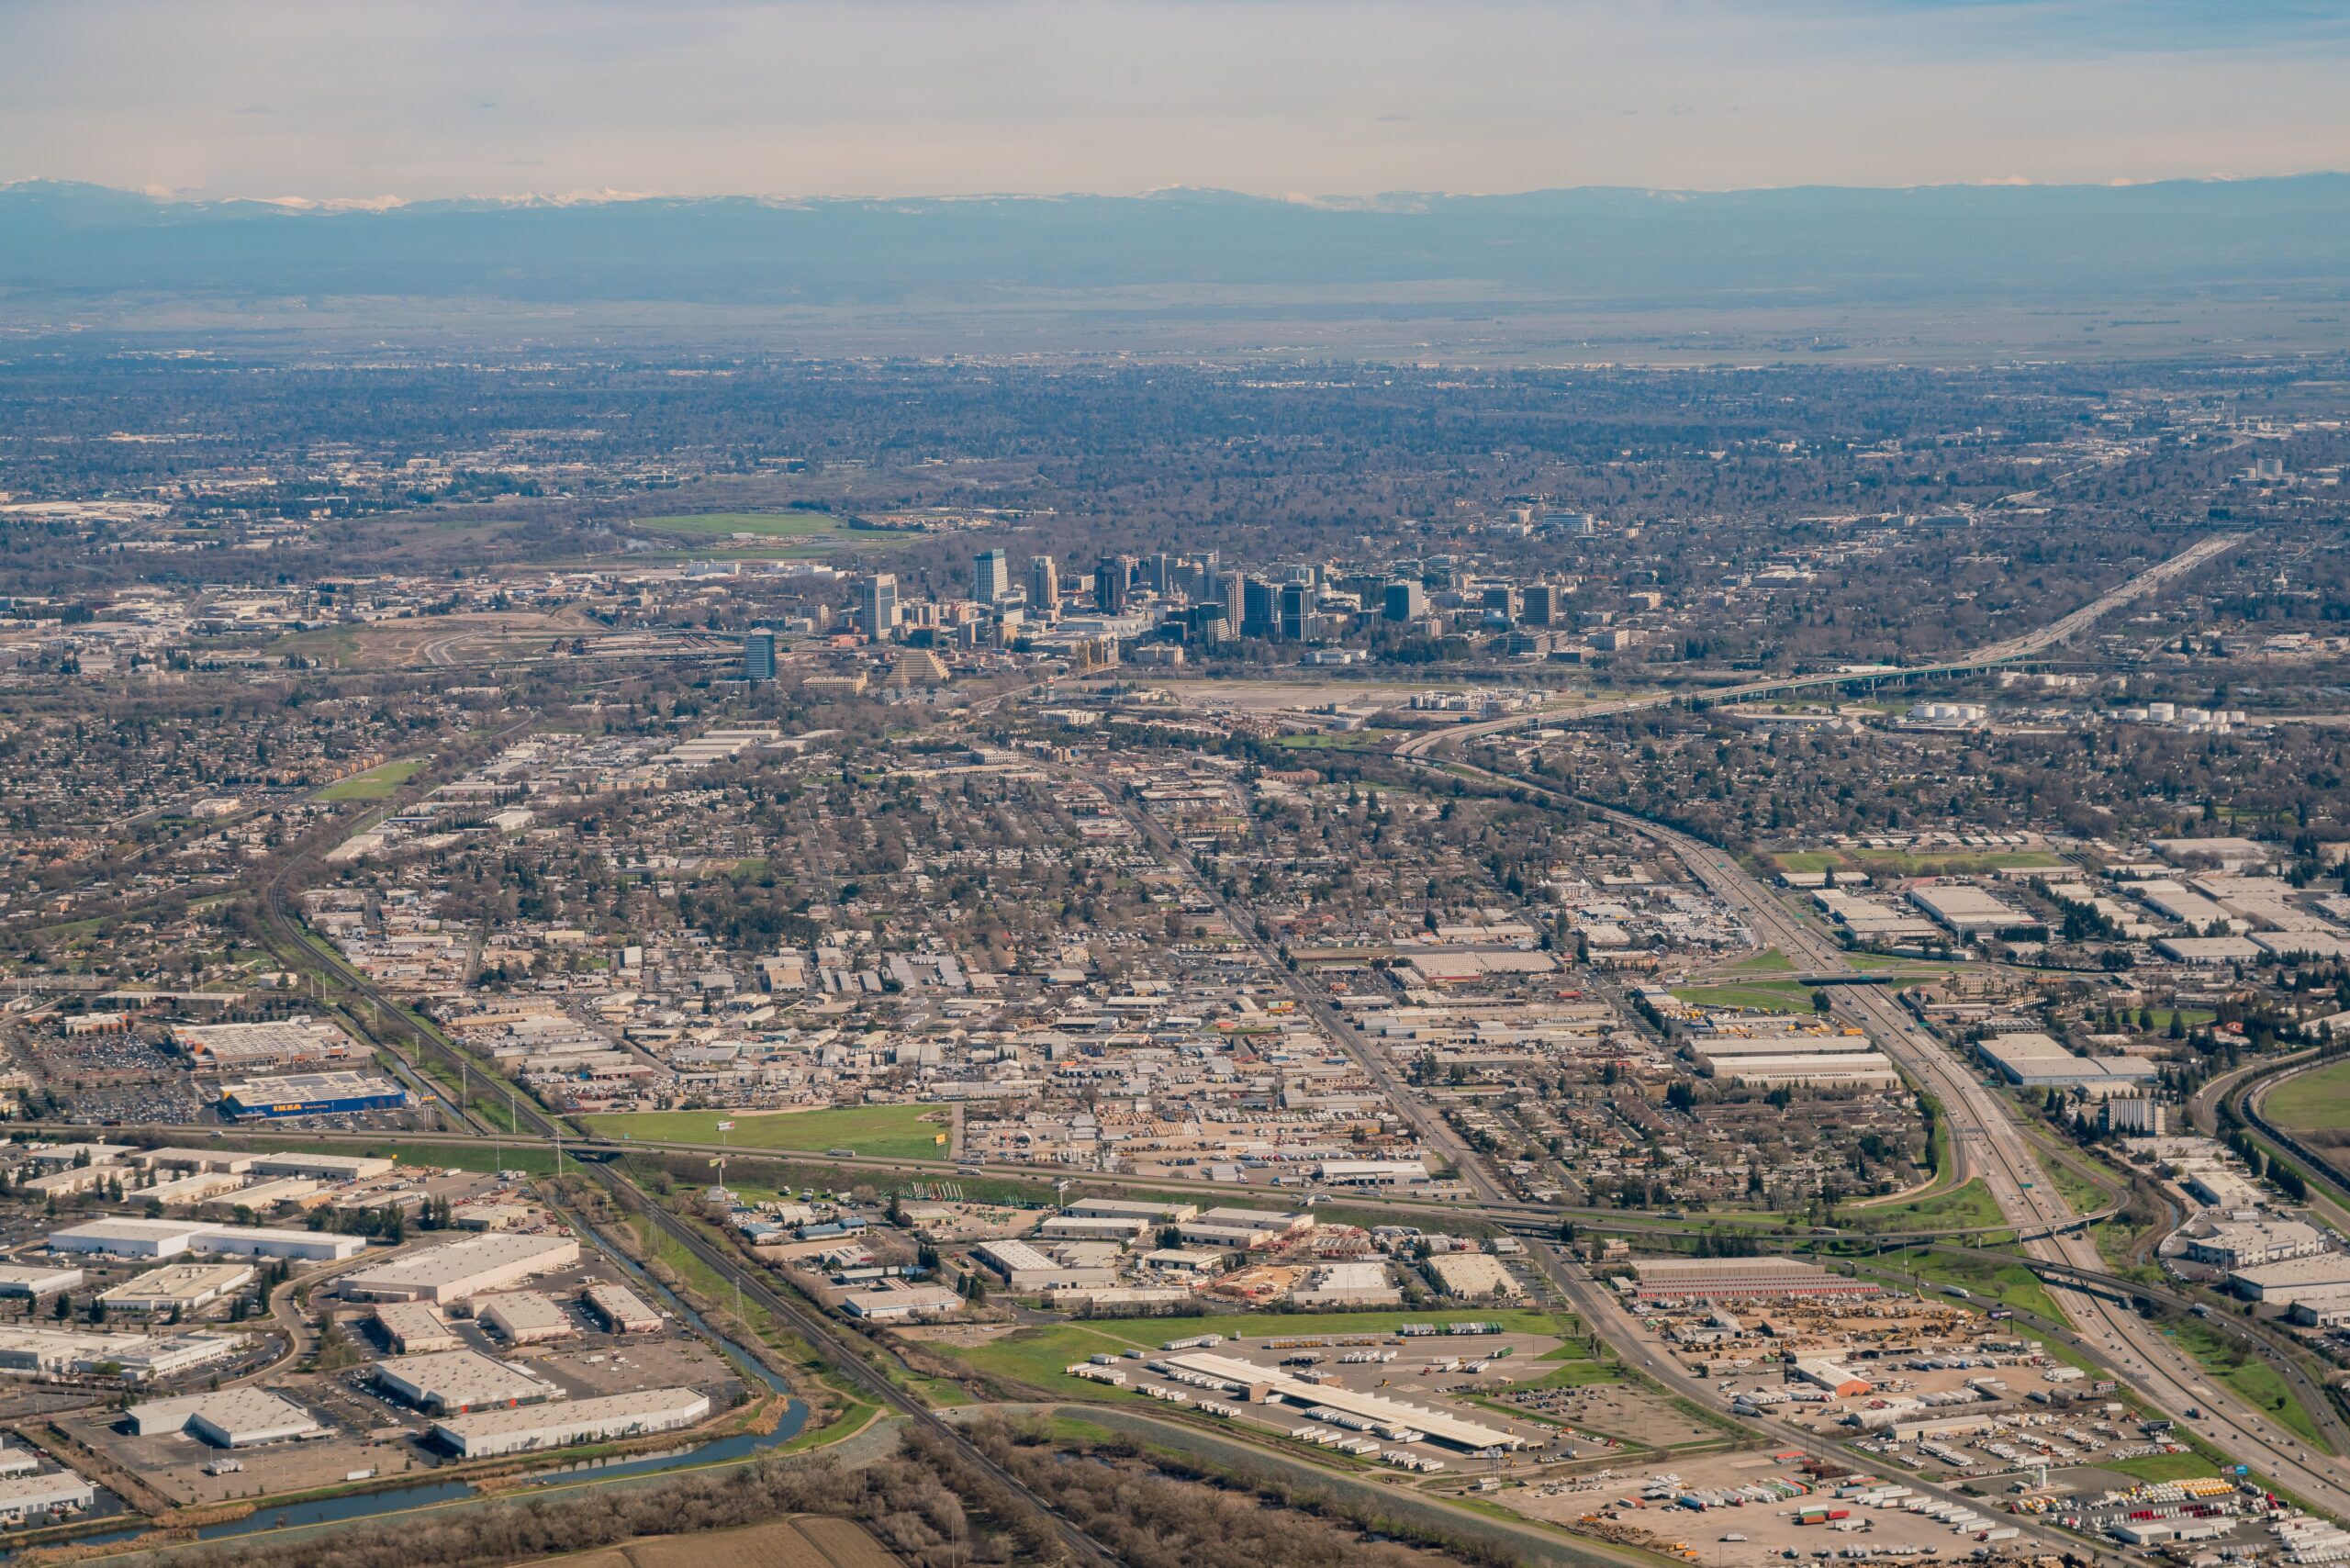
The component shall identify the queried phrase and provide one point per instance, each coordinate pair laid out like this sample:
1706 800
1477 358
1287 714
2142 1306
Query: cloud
820 97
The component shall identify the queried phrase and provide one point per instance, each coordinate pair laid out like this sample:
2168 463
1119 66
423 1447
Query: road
1987 1143
1435 1132
2006 651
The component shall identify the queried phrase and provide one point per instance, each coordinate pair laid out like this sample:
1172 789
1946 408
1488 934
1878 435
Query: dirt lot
782 1543
1627 1413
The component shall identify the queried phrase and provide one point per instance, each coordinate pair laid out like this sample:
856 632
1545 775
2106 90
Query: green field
766 524
876 1132
375 784
2009 1285
1763 996
1960 1208
2318 1099
1768 961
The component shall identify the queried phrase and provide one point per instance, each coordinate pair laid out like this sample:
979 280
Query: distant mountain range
1597 247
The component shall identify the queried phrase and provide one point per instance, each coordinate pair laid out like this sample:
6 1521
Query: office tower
1114 580
1405 602
1228 588
1542 606
758 655
990 576
879 610
1162 573
1044 586
1501 605
1260 609
1297 613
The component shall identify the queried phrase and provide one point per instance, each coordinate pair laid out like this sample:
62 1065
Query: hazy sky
793 97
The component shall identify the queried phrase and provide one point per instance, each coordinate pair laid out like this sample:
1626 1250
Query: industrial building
604 1419
1152 1213
1969 911
311 1094
905 1301
119 1235
134 1357
1473 1274
1389 1417
38 1284
2036 1062
1808 1070
323 1167
1730 1278
226 1418
414 1328
524 1318
1241 1228
455 1271
620 1309
184 1287
241 1048
23 1495
454 1382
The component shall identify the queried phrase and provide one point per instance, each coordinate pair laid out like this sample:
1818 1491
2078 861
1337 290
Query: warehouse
524 1318
1389 1415
2036 1062
184 1287
36 1285
1971 912
1723 1046
605 1420
134 1357
414 1328
454 1270
1844 1069
324 1167
226 1418
1242 1227
620 1309
23 1495
121 1237
1152 1213
1730 1278
903 1300
185 1192
263 1196
1470 1275
195 1159
311 1094
241 1048
454 1382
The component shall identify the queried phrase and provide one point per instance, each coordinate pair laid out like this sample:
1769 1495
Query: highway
1987 1143
2026 645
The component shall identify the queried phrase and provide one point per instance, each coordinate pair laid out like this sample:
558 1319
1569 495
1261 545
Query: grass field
2160 1466
876 1132
2009 1285
1768 961
1763 996
1960 1208
2317 1100
375 784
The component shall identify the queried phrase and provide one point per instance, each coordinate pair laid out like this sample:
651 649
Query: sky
416 99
